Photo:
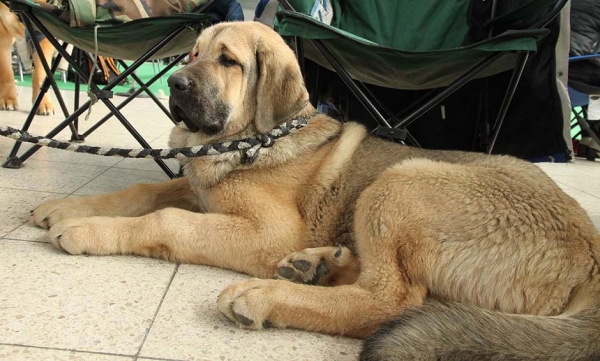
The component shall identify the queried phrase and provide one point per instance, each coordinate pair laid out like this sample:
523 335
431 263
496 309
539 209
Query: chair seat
129 40
382 65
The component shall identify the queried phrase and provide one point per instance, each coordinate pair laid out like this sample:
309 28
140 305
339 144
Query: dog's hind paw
323 266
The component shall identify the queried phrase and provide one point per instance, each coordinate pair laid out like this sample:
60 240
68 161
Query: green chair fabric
404 44
85 13
127 40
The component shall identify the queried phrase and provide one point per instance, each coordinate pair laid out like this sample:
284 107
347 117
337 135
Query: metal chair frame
103 94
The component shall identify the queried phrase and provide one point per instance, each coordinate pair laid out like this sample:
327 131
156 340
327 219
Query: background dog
480 257
11 28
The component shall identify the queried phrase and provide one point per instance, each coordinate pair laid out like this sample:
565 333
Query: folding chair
146 39
579 93
433 45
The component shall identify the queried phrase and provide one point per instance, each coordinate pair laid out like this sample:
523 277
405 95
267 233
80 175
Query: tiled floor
59 307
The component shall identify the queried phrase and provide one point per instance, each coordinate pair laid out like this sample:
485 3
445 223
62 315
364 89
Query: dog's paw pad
315 266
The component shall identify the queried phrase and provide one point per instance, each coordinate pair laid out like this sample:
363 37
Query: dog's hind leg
323 266
394 249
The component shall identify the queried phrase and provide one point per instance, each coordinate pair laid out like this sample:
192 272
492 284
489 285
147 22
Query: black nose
179 82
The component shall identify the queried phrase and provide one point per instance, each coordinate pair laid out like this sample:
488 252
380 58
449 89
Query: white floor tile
189 327
65 156
19 353
100 304
581 175
116 179
15 205
28 232
58 177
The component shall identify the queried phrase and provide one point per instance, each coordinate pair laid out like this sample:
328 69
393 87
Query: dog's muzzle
180 86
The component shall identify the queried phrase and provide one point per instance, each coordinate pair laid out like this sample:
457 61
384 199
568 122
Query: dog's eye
227 61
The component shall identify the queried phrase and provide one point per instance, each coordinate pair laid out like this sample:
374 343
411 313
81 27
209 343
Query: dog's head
244 79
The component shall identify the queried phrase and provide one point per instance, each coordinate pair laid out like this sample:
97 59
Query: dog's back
517 246
525 248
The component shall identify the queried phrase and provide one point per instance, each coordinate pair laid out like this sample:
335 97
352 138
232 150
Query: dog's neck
205 172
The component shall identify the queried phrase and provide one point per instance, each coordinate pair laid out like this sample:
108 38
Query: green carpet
144 72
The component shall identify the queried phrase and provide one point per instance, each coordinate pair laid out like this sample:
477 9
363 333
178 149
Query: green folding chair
438 45
90 30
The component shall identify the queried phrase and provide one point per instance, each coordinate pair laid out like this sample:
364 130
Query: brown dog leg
137 200
8 90
46 107
323 266
393 254
248 243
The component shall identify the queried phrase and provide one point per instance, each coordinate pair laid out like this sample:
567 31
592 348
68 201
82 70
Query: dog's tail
11 23
450 331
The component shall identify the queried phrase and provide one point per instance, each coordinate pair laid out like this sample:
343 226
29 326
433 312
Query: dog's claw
243 319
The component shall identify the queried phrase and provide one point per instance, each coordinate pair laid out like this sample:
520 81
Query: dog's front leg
8 90
241 243
134 201
39 74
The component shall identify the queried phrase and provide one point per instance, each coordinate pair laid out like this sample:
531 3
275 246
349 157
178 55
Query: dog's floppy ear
280 90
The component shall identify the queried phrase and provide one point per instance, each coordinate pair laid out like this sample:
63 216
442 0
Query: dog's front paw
8 96
248 303
93 235
50 213
46 107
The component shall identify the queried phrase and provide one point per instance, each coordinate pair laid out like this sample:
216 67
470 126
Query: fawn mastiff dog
11 28
468 256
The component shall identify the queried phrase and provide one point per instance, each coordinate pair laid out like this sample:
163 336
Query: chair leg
78 137
145 87
510 92
13 161
314 96
360 95
585 126
49 80
134 94
465 78
28 18
299 45
401 135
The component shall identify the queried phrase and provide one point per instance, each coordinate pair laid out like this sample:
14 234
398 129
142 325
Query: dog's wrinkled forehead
243 39
235 39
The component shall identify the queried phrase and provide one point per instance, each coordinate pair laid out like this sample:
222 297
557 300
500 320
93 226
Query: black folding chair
434 45
138 40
